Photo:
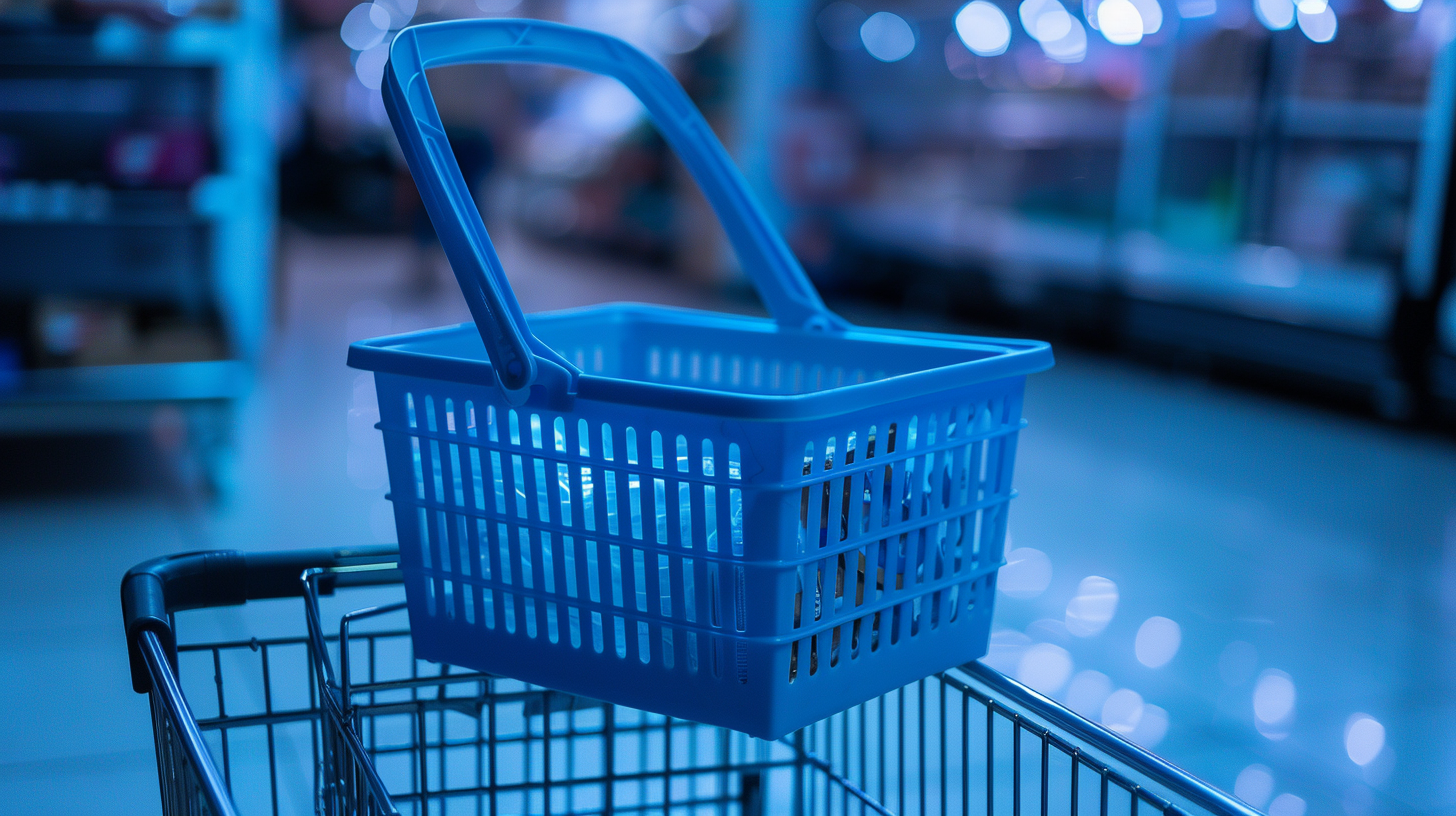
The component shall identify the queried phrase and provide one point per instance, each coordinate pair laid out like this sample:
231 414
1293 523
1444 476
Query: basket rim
1010 358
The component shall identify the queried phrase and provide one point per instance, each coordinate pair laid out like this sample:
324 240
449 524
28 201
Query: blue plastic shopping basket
746 522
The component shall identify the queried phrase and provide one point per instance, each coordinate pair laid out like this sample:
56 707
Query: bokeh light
1151 13
1120 22
1255 785
1157 641
1123 711
1364 739
1092 608
1274 697
369 66
681 29
1028 571
364 26
400 11
1070 48
986 31
1287 804
1320 27
1275 15
1404 5
887 37
1045 20
1151 727
1045 667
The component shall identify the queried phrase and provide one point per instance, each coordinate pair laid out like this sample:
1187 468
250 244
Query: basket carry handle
517 356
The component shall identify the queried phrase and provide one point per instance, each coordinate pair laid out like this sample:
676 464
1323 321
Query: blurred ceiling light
1287 804
1151 727
1157 641
1045 20
1306 6
1320 27
1404 5
601 106
887 37
1364 739
983 28
1254 785
369 65
400 11
364 26
1028 571
680 29
1120 22
1092 608
839 25
1123 711
1274 697
1070 48
1276 15
1045 667
1152 15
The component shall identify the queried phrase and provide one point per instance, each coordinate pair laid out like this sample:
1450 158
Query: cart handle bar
518 357
152 591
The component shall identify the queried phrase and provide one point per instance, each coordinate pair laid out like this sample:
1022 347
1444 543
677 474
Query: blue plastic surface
745 522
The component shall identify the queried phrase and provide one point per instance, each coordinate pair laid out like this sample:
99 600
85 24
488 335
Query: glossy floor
1262 591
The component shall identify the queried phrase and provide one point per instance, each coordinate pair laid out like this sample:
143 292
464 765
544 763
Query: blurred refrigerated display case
1243 187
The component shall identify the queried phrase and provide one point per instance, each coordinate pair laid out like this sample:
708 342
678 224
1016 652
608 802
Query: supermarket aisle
1320 542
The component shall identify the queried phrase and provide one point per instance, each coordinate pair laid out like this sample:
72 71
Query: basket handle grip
518 357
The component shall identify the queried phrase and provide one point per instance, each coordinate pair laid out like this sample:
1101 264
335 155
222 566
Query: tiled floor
1323 543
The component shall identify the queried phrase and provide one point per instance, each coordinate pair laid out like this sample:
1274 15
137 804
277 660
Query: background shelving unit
1219 192
170 270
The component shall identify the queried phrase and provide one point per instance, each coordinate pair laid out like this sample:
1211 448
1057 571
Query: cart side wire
278 734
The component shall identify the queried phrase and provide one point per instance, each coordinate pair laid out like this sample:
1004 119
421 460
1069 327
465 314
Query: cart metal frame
384 733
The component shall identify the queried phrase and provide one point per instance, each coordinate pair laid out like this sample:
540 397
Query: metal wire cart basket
348 721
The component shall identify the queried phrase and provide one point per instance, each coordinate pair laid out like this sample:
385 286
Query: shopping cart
345 721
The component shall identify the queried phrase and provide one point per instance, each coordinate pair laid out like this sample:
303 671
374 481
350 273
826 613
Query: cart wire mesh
351 723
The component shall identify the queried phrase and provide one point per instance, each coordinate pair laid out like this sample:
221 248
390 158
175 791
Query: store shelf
135 242
143 260
1268 345
1363 121
1006 241
1038 120
1336 120
1211 116
118 41
1347 298
114 398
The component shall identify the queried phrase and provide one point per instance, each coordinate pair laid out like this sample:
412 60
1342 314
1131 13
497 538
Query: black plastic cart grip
153 590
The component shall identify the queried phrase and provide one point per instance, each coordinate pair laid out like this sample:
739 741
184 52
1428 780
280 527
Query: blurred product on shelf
89 333
163 157
65 200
